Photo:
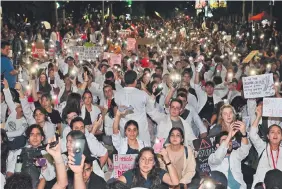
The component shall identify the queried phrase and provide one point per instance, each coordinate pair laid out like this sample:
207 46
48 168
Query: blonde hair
220 119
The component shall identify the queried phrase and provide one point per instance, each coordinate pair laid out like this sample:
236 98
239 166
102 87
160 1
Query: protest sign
39 52
145 41
124 33
227 37
131 42
204 148
258 86
85 53
123 163
272 107
114 58
250 56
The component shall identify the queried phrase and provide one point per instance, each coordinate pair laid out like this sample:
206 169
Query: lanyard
274 164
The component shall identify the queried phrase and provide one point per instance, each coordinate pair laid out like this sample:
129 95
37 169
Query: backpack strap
186 151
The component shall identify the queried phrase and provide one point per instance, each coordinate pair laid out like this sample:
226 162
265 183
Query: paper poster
114 58
258 86
145 41
124 33
39 52
227 37
272 107
123 163
250 56
204 148
85 53
131 42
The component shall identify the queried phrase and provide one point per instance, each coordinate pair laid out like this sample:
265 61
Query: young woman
182 157
130 144
147 172
270 156
89 112
227 115
43 84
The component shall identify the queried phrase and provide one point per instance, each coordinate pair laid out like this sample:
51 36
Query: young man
131 96
96 148
91 180
173 119
227 160
31 154
7 68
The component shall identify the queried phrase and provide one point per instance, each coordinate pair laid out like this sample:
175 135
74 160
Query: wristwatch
244 136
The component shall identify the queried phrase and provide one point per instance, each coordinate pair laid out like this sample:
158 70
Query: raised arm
78 171
8 96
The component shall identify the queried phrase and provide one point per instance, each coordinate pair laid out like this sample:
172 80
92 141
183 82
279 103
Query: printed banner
123 163
85 53
258 86
272 107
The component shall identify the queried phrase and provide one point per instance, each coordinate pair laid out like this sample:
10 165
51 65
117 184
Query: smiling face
274 135
35 137
131 132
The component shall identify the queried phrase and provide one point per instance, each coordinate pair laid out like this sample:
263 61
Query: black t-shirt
55 116
87 119
207 110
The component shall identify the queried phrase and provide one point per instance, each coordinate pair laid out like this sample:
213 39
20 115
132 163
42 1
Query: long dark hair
180 131
4 151
72 105
138 179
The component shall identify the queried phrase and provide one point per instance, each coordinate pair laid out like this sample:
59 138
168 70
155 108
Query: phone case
78 150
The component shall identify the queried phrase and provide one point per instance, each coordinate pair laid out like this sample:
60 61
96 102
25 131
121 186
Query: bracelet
244 136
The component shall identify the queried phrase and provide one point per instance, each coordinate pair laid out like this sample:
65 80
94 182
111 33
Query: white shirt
138 100
3 111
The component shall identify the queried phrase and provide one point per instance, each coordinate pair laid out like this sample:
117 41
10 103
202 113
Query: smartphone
199 67
78 149
2 78
159 144
100 115
158 90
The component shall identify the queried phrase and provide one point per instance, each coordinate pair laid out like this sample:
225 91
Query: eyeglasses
148 161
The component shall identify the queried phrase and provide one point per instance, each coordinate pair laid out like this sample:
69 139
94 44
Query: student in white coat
139 100
268 152
227 160
130 144
167 121
207 99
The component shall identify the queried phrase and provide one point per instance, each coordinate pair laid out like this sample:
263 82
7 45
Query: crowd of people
63 119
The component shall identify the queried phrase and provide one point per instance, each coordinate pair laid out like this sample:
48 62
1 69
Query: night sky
42 10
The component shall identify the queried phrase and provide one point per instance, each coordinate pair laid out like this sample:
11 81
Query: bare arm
33 90
170 178
78 170
169 96
14 72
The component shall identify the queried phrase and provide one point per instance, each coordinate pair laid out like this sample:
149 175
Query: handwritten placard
250 56
124 33
131 44
272 107
123 163
258 86
114 58
204 148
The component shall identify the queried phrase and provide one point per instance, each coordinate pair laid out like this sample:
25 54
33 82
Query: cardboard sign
258 86
39 52
123 163
131 42
204 148
85 53
272 107
114 58
145 41
124 33
250 56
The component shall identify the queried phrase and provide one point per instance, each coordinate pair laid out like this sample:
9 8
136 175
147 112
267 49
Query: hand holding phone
78 148
199 67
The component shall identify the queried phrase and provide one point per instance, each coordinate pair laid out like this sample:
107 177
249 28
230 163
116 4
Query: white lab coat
265 163
121 144
14 127
48 128
202 97
138 100
95 111
194 117
218 162
164 126
4 108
